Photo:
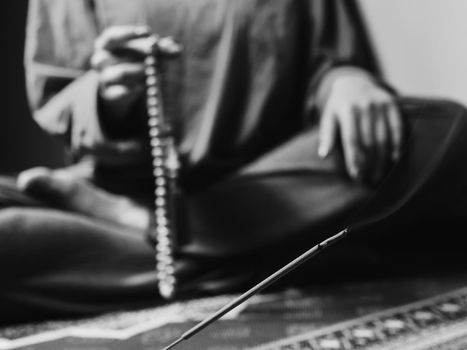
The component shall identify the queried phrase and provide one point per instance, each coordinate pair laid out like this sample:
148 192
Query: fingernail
396 155
323 151
355 169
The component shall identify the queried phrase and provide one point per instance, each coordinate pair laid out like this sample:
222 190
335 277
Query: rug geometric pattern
378 315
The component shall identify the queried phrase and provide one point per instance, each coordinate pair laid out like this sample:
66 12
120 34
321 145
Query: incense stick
259 287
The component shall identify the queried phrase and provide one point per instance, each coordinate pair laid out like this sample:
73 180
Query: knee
419 107
450 109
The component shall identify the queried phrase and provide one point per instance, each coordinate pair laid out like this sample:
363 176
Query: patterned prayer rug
413 313
435 323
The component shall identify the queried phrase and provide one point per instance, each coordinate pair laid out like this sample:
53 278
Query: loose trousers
238 230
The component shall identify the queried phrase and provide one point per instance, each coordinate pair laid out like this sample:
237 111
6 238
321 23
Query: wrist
334 76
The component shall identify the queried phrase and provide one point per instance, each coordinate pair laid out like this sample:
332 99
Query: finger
366 124
123 74
327 133
169 46
102 59
396 128
351 142
121 93
381 145
117 36
146 45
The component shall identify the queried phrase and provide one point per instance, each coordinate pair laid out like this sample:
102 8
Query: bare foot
62 190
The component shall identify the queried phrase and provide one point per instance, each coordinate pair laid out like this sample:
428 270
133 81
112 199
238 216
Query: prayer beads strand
165 171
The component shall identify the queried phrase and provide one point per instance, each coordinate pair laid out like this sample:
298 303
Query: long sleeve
338 41
62 90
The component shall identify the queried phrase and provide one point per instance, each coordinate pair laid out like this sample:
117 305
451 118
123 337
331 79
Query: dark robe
243 97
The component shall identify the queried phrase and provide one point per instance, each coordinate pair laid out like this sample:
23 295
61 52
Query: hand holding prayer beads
118 59
165 46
